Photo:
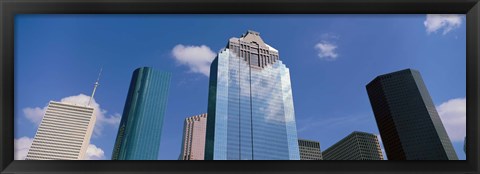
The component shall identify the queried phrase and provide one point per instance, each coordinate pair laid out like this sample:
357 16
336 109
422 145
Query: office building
194 130
64 133
140 128
407 118
356 146
309 150
250 104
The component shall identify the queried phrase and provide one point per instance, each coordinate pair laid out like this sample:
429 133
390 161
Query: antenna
95 86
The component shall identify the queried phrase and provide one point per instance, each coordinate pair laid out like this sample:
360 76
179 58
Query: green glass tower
140 129
407 118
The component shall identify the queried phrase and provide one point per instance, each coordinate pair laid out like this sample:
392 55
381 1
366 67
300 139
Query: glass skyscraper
407 118
250 104
138 136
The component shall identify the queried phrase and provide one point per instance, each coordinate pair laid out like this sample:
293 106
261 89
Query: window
254 60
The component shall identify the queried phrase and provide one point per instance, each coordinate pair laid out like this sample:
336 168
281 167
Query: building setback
140 129
356 146
193 145
64 133
309 150
407 118
250 104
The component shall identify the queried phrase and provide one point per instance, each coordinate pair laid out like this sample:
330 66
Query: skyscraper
194 138
407 118
309 150
250 104
64 133
356 146
140 129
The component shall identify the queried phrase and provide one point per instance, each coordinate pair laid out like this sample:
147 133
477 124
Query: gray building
356 146
407 118
309 150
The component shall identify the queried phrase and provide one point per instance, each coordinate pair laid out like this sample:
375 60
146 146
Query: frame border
9 8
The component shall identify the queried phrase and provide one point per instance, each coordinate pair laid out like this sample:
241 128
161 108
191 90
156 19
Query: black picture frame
9 8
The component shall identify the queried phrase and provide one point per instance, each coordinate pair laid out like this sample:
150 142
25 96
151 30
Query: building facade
250 104
309 150
64 133
407 118
194 130
140 129
356 146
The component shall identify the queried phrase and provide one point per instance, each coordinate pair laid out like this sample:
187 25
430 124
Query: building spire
95 86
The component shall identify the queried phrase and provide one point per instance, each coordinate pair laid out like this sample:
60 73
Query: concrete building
64 133
309 150
193 145
407 118
356 146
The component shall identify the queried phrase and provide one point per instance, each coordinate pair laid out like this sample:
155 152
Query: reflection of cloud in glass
254 110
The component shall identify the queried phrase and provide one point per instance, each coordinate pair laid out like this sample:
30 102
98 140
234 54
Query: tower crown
251 48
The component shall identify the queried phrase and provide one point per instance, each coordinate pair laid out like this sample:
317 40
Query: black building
407 118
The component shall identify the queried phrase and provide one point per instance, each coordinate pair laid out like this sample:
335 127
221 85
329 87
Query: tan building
64 133
194 132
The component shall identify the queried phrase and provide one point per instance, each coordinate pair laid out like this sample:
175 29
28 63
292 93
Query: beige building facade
194 132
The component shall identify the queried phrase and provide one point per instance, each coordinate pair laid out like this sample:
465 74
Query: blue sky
331 59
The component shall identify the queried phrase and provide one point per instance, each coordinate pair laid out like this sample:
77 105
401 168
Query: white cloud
197 58
447 22
21 147
35 115
327 50
453 114
94 153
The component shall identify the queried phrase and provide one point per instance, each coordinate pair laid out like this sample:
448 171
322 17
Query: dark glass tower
250 104
138 136
407 118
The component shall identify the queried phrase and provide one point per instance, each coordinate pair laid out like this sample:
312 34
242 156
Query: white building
64 133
